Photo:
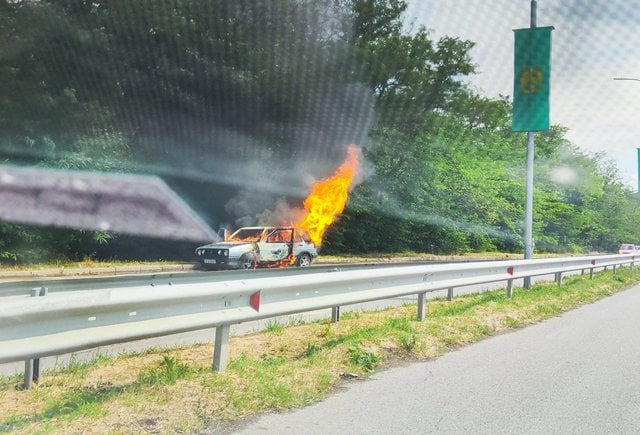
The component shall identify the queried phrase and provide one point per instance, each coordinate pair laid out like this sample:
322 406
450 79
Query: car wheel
247 261
303 260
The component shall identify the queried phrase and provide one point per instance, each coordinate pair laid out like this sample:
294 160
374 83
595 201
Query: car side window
280 236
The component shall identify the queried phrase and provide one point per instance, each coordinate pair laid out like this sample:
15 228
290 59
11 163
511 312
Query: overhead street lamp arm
626 78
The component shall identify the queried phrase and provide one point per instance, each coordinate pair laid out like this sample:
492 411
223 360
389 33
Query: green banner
531 75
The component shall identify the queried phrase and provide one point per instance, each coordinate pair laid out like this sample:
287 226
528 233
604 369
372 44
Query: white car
252 247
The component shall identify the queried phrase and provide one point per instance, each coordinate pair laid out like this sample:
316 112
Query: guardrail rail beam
100 315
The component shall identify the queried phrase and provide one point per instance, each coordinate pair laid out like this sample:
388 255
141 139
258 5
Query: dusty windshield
137 130
146 131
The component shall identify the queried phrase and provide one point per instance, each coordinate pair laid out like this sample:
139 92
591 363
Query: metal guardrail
59 323
152 278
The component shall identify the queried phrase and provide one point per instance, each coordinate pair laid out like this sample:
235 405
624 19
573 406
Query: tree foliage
449 173
185 88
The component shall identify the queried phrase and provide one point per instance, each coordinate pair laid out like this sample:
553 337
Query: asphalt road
574 374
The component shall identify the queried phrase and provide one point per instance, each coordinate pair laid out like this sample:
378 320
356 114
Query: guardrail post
591 273
335 314
559 278
509 288
32 366
450 294
221 348
614 269
28 374
421 305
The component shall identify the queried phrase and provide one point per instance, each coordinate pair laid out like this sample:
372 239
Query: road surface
575 374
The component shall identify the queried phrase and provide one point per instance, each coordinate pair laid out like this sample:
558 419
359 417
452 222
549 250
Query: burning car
252 247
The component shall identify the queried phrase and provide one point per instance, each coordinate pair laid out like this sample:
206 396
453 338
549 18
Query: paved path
574 374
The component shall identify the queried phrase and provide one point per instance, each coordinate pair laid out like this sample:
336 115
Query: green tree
199 90
412 75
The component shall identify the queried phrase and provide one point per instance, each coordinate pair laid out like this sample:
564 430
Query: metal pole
221 348
422 300
534 13
28 374
335 314
528 208
32 367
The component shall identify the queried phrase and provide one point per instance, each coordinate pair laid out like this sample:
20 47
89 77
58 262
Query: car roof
265 228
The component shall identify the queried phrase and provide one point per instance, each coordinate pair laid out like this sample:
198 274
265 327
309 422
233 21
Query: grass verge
169 391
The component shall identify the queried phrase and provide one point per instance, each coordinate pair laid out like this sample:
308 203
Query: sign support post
531 104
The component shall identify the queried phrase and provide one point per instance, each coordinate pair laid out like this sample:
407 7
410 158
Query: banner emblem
531 79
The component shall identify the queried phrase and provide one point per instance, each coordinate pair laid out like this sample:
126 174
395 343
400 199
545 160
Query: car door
276 246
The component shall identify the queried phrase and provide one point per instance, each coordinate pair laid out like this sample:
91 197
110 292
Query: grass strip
280 368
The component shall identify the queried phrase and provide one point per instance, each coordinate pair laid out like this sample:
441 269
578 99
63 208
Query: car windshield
247 235
628 247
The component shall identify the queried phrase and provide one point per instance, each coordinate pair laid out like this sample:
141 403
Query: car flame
328 197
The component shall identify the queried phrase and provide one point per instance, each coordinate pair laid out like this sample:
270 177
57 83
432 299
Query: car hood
222 245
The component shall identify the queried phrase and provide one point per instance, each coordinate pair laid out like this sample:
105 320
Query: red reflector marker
254 301
510 270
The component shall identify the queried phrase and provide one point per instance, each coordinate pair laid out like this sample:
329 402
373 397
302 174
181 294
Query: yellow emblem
531 79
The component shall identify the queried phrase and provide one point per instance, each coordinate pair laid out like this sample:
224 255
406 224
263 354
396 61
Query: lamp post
638 149
528 206
531 88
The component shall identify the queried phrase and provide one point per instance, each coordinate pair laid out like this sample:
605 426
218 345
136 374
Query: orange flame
328 197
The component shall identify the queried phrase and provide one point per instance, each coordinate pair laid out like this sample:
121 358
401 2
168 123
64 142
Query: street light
638 149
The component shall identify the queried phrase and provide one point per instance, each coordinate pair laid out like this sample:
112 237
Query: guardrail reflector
254 301
593 262
510 270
